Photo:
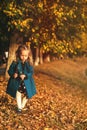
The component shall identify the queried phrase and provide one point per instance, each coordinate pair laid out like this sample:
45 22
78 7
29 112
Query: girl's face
24 55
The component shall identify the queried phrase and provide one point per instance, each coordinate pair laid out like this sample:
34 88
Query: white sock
24 101
18 99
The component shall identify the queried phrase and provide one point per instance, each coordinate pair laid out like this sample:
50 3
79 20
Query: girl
21 83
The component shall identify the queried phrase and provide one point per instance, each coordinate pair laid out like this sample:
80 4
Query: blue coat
13 83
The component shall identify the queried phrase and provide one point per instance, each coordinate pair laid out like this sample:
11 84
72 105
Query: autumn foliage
56 26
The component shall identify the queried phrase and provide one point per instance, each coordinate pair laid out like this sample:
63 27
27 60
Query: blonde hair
20 49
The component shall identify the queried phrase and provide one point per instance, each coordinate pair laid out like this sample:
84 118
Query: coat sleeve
30 72
11 70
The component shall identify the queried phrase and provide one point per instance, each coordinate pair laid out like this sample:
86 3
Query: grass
70 71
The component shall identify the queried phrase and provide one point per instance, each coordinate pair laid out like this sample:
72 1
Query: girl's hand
22 76
15 75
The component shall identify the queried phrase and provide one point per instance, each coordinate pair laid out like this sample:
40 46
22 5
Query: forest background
55 28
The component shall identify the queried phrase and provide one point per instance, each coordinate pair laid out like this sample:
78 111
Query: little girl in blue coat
21 83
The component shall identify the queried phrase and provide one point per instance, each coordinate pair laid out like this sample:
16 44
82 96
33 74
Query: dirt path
56 106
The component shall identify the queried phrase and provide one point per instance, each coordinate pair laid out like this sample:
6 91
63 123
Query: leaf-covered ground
56 106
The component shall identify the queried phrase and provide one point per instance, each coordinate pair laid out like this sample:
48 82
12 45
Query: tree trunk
41 56
30 54
47 57
37 56
15 41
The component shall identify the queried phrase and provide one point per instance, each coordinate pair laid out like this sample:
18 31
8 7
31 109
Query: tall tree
52 26
16 39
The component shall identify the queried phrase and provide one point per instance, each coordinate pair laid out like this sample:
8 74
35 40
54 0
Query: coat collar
20 67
